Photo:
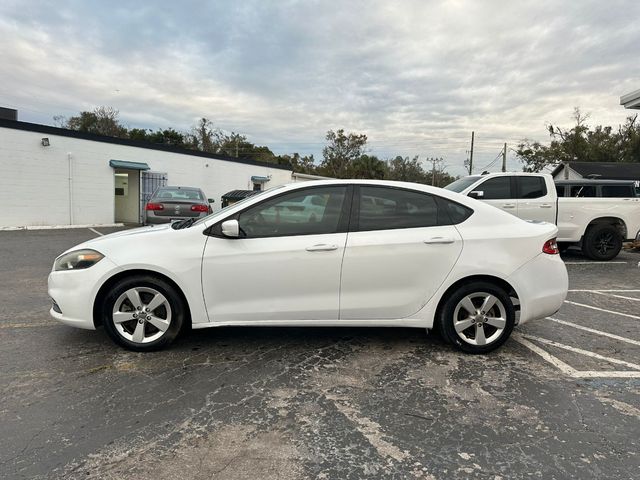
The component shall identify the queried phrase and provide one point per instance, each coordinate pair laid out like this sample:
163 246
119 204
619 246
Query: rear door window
531 187
383 208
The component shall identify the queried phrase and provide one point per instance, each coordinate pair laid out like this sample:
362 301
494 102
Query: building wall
71 182
573 175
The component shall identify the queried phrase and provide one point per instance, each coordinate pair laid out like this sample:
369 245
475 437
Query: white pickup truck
598 225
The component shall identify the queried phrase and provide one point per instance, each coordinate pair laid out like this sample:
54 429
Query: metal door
149 183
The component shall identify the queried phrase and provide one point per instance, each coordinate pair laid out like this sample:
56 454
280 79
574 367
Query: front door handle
439 240
508 205
321 247
545 205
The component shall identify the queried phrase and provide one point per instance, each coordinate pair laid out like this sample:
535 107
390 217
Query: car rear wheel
477 318
602 242
143 313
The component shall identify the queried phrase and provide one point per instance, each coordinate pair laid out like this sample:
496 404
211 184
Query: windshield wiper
184 223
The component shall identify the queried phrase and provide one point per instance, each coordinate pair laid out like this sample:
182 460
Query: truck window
531 187
583 191
496 188
618 191
560 190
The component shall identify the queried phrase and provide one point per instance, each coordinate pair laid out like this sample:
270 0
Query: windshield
462 183
228 207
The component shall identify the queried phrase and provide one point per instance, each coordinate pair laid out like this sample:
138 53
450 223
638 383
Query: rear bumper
541 285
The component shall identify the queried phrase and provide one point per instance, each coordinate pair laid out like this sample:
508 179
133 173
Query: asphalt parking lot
560 400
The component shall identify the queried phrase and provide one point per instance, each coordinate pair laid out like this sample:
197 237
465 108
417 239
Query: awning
128 165
259 179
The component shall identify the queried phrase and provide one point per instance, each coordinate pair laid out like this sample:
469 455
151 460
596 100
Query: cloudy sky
416 76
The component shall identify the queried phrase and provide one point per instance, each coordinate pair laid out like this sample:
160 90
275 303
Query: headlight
77 260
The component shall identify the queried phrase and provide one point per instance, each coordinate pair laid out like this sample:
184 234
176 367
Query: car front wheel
477 318
143 313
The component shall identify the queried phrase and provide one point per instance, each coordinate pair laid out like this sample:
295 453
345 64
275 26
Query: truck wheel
602 242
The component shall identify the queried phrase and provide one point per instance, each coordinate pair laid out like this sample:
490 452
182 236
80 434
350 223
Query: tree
299 164
368 166
581 143
101 121
405 170
340 152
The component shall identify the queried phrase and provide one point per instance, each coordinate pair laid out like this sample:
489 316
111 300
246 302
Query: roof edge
64 132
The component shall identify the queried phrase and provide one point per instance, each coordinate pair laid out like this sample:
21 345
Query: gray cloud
416 76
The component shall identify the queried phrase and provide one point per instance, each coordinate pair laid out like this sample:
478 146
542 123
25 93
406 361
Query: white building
54 176
631 100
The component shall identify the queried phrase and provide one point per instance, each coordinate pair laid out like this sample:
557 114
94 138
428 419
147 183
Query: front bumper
541 285
74 291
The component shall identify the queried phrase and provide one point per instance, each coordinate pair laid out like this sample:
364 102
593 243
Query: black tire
447 317
602 242
146 284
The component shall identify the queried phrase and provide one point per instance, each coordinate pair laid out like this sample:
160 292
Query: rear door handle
508 205
321 247
439 240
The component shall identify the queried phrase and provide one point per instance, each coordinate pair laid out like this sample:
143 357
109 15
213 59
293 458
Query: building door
149 183
127 195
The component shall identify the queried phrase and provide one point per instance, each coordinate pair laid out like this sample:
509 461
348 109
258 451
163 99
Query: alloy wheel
479 318
141 314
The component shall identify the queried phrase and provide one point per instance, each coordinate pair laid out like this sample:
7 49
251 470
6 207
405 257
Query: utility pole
471 154
433 172
504 158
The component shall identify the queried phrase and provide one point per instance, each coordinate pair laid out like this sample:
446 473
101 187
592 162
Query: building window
257 187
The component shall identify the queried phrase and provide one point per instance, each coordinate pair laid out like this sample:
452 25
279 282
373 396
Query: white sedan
371 253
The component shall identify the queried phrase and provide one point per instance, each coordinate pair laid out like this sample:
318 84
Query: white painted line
556 362
595 263
606 374
96 231
586 353
569 370
616 296
593 330
600 290
602 310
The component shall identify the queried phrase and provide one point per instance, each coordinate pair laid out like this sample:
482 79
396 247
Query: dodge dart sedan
327 253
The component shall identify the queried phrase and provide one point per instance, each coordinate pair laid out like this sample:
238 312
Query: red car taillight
199 208
551 247
154 206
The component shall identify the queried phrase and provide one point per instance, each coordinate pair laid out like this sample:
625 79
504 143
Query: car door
401 247
534 200
499 192
286 263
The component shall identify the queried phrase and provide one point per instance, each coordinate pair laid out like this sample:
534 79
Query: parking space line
593 330
27 325
601 290
96 231
602 310
556 362
586 353
595 263
569 370
614 295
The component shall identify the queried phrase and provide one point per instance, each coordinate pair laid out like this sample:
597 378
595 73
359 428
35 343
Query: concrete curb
60 227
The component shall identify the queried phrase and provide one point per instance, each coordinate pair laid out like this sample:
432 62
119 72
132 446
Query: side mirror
476 194
231 228
211 200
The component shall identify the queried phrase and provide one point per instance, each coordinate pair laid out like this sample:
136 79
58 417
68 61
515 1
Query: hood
141 233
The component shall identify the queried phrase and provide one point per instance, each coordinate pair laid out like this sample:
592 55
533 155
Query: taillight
551 247
199 208
154 206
